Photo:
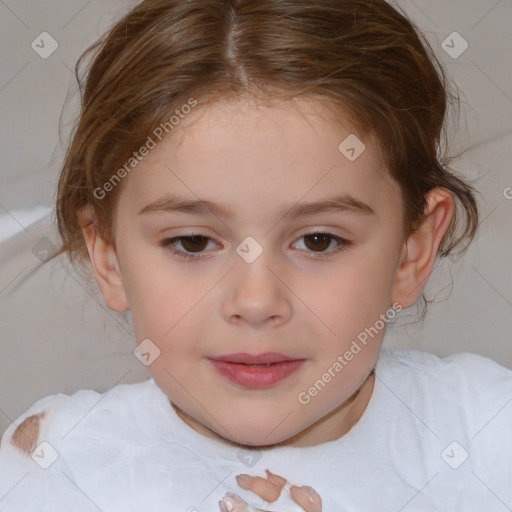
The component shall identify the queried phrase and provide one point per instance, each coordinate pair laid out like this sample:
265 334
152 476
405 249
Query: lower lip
256 376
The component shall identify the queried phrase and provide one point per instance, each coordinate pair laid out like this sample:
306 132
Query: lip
240 368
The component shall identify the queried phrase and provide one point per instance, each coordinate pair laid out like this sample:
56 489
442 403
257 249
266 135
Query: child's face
259 163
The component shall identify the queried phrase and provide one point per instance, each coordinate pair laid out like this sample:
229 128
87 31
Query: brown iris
319 239
194 243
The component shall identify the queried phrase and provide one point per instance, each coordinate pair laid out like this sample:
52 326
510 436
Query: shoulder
53 416
464 370
85 438
23 433
471 369
473 386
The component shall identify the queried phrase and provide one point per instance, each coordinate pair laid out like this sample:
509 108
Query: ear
105 264
420 249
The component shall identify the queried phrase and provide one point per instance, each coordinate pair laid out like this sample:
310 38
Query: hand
270 489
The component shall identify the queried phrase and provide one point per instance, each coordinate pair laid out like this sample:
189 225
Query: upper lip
265 358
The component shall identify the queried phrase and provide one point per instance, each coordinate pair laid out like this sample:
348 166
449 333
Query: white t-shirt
436 436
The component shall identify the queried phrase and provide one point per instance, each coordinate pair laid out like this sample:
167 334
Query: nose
257 293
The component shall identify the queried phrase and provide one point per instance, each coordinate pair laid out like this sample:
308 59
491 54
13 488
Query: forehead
254 156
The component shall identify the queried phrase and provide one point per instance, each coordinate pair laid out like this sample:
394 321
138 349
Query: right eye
193 244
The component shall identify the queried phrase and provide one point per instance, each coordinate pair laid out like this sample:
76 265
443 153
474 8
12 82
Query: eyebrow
339 203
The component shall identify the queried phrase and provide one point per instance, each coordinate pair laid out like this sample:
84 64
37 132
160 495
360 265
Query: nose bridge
256 291
253 264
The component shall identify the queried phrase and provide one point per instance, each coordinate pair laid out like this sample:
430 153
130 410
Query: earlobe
420 250
105 264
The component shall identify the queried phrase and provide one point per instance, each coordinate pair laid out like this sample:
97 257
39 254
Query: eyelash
168 244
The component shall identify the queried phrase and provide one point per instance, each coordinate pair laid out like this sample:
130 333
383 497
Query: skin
269 489
257 159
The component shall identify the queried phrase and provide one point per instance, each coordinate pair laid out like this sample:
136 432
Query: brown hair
365 59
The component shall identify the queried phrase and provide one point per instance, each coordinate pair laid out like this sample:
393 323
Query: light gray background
56 334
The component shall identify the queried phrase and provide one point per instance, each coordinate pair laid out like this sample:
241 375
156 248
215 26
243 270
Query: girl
260 184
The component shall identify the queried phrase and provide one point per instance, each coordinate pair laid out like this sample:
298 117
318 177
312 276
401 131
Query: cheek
160 307
352 304
358 291
376 266
157 297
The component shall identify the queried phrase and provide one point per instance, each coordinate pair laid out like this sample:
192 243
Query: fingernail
310 492
228 503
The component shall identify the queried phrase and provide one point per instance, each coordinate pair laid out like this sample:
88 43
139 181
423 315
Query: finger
278 480
267 488
307 498
233 503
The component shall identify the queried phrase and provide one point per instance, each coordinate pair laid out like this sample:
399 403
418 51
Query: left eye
319 242
194 245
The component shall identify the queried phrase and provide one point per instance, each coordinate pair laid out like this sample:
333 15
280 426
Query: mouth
256 371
